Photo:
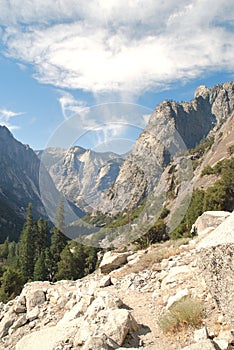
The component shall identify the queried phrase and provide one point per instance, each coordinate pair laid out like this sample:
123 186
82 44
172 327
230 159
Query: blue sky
60 58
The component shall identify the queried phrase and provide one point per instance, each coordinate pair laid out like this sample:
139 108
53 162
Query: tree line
42 253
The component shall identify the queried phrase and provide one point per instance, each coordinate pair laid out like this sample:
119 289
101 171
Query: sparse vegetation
188 312
203 146
220 196
155 234
158 252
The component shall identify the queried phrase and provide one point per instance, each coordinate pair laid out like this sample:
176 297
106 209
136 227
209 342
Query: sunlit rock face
172 128
19 184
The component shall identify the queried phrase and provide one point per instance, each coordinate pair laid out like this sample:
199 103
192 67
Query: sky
62 59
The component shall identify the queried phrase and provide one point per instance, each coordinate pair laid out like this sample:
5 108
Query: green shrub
207 171
187 312
203 146
156 233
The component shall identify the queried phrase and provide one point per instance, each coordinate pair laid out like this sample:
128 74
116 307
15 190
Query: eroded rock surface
123 310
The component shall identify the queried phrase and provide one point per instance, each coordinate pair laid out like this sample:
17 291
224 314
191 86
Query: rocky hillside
82 175
19 184
172 129
123 303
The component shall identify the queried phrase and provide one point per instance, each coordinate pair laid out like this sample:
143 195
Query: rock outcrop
65 315
121 308
112 260
217 263
209 220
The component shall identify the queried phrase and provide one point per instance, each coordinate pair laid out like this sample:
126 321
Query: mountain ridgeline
82 175
180 140
172 128
19 184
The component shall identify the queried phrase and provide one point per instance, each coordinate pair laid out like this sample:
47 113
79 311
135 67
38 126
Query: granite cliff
172 128
82 174
19 184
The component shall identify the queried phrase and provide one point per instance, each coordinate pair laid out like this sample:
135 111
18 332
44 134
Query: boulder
6 323
202 345
33 314
112 261
175 275
45 339
120 322
103 301
210 219
20 321
20 305
223 234
19 308
200 334
216 253
77 310
222 343
98 343
34 297
105 281
178 296
217 265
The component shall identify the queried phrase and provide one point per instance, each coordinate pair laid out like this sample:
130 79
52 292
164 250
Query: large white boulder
203 345
223 234
210 219
112 260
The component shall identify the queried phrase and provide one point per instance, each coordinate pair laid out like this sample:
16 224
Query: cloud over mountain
118 45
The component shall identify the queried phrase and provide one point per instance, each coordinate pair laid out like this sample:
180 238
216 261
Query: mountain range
160 162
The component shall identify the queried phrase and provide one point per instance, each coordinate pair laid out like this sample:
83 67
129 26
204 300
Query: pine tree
5 249
42 237
40 271
12 258
26 247
58 239
66 265
11 283
80 260
49 264
60 216
90 260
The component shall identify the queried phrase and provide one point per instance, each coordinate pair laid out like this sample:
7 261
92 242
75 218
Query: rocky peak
81 174
172 128
202 91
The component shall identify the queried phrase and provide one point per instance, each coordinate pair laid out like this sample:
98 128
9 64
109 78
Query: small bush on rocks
187 312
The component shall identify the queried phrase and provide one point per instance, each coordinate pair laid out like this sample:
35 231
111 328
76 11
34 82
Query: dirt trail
145 312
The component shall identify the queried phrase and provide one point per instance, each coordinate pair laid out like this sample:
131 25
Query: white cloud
119 45
6 118
71 106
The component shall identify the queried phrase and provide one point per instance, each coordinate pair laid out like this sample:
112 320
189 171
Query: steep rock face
19 184
172 128
82 174
217 264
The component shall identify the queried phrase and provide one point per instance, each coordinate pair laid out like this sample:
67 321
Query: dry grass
188 312
154 255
